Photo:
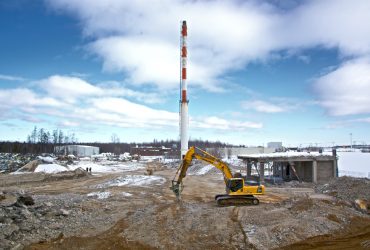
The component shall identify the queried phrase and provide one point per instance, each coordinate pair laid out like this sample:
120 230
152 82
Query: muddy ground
85 212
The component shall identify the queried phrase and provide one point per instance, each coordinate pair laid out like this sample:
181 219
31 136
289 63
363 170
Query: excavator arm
199 154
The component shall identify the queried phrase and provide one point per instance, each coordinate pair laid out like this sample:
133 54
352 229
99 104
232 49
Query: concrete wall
325 171
304 170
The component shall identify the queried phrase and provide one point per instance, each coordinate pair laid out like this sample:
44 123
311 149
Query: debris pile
25 219
346 188
349 189
11 162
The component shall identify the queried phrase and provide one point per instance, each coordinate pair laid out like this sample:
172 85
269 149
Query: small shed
316 167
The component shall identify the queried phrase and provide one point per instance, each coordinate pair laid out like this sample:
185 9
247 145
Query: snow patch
134 180
99 195
50 168
355 164
203 170
125 194
46 159
108 166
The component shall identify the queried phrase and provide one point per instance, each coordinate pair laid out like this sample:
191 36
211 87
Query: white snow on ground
170 160
152 158
126 194
134 180
50 168
202 171
47 159
100 195
233 161
108 166
354 164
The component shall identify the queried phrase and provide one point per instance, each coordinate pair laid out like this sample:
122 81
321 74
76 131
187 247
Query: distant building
229 151
76 150
151 151
302 166
275 145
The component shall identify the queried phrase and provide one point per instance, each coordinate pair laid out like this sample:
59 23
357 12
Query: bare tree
115 138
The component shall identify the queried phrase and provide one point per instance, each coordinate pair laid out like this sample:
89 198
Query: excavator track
236 200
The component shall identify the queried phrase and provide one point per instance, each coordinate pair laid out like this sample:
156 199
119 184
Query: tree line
41 140
57 136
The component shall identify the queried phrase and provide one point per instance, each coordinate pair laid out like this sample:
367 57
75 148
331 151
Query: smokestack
184 116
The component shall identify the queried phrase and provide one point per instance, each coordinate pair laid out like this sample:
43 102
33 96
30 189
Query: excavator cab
234 185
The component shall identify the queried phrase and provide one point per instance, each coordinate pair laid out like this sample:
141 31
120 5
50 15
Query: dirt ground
66 216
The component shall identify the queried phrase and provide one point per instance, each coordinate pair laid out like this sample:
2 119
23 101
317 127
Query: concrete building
229 151
76 150
151 151
275 145
302 166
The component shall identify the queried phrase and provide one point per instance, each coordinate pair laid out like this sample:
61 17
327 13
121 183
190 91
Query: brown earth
151 218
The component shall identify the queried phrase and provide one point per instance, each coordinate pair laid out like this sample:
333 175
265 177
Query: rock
26 227
17 247
26 200
63 212
49 204
56 226
26 213
7 230
4 243
363 205
8 200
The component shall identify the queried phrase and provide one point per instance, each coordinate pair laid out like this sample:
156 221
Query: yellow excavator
237 192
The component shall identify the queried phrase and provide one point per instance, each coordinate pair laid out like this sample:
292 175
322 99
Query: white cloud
67 87
70 88
11 78
127 113
346 90
69 124
147 61
94 105
22 97
218 123
142 38
366 120
263 106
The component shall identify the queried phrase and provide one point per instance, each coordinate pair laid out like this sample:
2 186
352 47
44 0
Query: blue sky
259 71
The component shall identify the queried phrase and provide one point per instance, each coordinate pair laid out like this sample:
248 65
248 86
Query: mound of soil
347 188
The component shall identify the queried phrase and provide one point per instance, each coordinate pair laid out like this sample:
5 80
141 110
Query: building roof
289 156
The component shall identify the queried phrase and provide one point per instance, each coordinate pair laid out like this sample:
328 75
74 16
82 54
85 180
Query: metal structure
184 117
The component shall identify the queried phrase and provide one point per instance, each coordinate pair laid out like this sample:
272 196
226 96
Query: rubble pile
25 219
346 188
354 191
11 162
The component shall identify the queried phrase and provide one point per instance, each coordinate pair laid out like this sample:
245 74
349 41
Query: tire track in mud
235 218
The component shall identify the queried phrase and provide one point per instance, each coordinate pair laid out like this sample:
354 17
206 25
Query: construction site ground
89 212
